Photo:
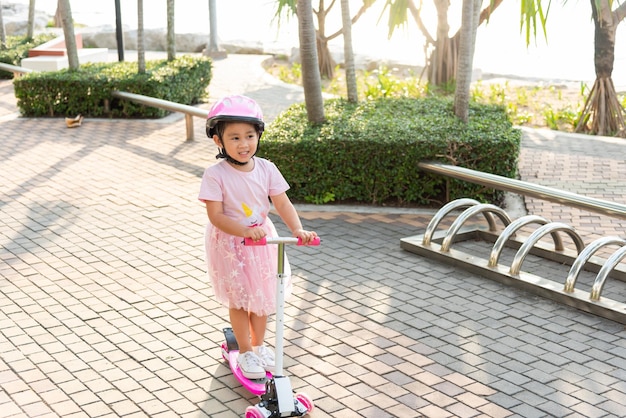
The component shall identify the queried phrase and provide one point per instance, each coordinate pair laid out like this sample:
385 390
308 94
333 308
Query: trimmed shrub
88 91
368 152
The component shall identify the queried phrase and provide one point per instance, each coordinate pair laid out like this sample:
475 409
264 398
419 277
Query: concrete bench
54 47
52 55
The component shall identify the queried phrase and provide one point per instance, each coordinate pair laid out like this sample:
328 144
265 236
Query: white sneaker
267 357
250 365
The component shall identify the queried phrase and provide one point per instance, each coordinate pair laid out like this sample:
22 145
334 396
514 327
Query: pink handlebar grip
250 241
314 241
278 240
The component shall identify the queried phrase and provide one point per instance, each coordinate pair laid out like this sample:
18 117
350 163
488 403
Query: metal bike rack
437 244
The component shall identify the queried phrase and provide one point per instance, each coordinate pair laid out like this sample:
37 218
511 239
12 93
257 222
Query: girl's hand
305 236
255 233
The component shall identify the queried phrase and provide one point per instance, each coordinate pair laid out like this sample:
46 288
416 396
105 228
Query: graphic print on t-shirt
252 217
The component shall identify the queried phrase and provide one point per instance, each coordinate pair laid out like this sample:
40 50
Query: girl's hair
220 127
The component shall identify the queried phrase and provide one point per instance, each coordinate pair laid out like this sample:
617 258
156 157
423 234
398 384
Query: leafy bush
368 152
17 47
88 91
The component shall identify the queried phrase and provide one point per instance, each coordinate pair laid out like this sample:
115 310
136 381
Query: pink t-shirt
243 194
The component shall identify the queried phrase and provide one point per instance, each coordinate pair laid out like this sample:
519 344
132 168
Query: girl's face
240 140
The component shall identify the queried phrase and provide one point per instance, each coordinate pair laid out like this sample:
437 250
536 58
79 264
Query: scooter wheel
253 412
306 401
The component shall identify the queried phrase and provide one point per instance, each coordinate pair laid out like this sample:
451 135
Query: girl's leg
250 364
240 322
258 324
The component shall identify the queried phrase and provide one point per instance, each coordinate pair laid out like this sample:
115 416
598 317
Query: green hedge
88 91
369 152
17 47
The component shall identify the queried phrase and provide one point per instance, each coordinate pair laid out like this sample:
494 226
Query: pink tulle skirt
244 277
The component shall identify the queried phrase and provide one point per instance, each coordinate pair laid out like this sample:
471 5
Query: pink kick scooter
277 396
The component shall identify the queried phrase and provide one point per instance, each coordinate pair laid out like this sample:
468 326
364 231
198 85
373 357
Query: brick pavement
105 310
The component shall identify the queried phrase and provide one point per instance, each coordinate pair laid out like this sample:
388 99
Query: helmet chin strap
224 154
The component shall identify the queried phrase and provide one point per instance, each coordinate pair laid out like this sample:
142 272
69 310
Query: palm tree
171 31
603 114
141 48
469 25
353 95
311 80
68 33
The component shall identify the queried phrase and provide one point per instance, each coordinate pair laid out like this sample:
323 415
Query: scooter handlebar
280 240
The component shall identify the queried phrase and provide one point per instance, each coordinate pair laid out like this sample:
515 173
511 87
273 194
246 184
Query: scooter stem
280 289
280 310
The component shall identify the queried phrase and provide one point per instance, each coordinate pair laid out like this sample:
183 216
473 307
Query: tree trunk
58 21
30 30
171 31
326 62
212 47
603 114
441 62
141 46
349 65
212 27
68 33
311 80
469 25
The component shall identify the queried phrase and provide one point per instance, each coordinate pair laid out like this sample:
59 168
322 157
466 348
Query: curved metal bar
536 236
442 213
467 214
511 230
584 256
611 263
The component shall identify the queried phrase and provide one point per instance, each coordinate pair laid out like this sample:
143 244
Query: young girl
235 192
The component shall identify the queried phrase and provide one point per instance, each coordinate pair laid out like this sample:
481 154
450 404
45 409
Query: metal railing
189 111
527 189
17 71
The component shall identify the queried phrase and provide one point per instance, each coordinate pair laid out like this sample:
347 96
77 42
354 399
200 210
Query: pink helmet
235 108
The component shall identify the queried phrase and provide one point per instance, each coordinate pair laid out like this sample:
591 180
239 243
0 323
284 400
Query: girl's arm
215 211
289 215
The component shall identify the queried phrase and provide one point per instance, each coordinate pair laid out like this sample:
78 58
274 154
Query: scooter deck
230 352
